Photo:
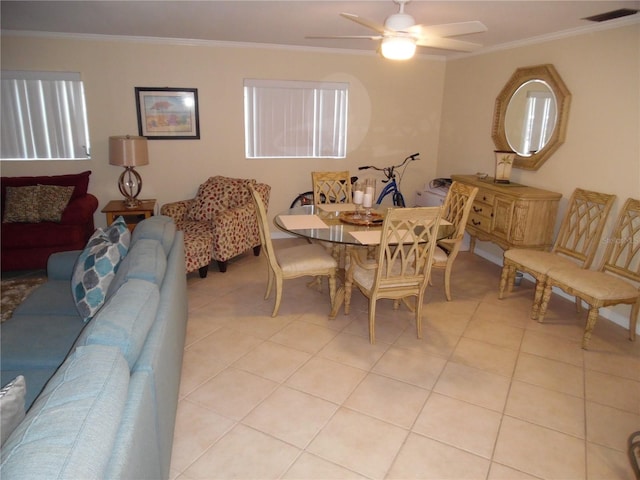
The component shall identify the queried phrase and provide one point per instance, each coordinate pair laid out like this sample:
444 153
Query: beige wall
602 147
394 111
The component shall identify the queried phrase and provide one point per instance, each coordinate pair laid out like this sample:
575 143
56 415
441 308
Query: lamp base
132 202
130 185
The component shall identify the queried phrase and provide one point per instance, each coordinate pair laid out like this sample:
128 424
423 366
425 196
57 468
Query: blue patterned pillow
119 233
96 266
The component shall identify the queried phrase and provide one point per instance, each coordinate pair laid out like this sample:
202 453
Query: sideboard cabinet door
511 215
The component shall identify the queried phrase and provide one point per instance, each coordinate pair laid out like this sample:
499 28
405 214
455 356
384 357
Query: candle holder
369 195
358 195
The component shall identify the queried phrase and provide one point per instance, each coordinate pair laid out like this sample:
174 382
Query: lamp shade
398 48
128 151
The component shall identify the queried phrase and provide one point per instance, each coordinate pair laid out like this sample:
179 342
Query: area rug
15 291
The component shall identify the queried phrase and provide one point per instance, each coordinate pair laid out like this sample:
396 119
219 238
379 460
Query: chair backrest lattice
331 187
583 224
622 256
457 206
263 226
407 243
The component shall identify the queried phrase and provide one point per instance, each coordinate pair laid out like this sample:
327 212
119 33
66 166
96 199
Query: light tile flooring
487 393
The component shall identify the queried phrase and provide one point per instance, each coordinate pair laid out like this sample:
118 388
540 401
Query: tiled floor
486 394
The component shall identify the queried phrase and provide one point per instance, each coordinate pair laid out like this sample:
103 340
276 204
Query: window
44 116
539 121
284 119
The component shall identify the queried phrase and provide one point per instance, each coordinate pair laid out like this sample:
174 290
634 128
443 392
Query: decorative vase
504 162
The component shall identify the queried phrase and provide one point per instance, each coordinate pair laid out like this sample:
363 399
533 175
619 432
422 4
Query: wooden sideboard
511 215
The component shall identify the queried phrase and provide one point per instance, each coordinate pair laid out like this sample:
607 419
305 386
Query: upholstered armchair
219 223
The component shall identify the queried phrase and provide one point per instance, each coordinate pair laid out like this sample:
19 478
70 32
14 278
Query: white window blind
539 121
285 119
44 116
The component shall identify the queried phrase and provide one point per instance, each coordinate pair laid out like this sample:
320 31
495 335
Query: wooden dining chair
616 281
331 187
576 244
457 206
292 262
402 265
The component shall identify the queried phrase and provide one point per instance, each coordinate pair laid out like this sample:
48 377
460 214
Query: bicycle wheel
305 198
398 200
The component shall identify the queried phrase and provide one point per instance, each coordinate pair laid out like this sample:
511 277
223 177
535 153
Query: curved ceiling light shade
398 48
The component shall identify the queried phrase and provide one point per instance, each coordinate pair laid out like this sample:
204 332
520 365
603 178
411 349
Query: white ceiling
287 23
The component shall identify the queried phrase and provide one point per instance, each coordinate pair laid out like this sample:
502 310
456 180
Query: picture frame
168 113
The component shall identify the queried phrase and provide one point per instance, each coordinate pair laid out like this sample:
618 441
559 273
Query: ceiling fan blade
363 21
447 44
367 37
449 29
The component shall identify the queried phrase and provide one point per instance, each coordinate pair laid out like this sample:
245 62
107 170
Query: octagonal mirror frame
547 74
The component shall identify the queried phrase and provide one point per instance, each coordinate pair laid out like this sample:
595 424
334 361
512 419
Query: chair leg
372 321
419 300
270 279
447 279
504 278
222 266
408 305
633 320
592 317
316 282
537 298
348 288
256 250
278 297
202 271
332 288
544 303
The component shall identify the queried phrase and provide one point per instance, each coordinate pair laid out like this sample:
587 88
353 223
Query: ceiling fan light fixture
398 48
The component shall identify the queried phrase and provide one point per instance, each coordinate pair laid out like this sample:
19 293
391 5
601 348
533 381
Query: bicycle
392 186
306 198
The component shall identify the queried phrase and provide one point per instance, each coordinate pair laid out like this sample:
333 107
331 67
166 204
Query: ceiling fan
400 35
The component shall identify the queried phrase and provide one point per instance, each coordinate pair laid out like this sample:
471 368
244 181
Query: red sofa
27 246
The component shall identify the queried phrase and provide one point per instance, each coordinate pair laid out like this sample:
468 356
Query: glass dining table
335 223
332 222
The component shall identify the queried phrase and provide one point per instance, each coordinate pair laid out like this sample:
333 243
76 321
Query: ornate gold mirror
530 116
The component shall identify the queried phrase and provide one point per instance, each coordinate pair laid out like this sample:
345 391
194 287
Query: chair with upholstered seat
219 223
292 262
617 280
576 244
403 262
457 206
331 187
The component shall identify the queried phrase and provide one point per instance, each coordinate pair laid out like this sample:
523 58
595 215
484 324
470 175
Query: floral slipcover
220 222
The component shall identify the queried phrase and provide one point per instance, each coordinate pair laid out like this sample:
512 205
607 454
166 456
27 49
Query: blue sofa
101 396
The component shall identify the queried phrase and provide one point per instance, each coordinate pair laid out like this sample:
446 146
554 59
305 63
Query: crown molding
619 23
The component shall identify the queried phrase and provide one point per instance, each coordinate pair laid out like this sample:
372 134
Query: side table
132 216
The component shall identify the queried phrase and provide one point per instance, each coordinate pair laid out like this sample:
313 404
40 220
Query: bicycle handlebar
409 158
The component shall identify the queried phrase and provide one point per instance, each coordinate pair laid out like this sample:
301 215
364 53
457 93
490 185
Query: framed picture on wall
168 113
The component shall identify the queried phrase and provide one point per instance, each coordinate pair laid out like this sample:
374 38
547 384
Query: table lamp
128 151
